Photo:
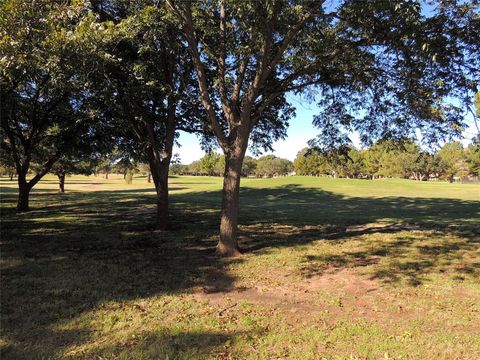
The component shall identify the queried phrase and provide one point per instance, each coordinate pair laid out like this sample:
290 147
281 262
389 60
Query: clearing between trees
332 268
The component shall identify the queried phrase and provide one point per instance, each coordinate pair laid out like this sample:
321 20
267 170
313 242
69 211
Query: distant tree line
213 164
385 159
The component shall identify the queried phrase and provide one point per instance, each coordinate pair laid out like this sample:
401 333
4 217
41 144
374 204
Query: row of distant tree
403 159
390 159
397 159
213 164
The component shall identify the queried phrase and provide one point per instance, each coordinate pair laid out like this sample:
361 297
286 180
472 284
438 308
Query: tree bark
11 176
61 183
149 178
163 221
106 175
23 193
228 243
159 171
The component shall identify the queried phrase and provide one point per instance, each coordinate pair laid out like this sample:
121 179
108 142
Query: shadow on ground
76 251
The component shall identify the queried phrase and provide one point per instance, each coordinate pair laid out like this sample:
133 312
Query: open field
333 268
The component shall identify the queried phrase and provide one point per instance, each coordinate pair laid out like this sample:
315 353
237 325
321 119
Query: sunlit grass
332 268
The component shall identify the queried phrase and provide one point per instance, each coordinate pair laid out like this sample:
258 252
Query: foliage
309 162
388 158
414 61
270 166
472 156
212 164
451 161
44 107
477 104
249 166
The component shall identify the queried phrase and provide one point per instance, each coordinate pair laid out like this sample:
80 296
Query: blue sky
299 132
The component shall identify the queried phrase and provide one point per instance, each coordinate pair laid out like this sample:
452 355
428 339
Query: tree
248 167
247 55
144 169
7 164
107 162
270 165
309 162
142 78
451 158
371 160
72 165
194 168
43 107
179 169
414 162
124 165
473 156
477 104
348 164
210 163
386 159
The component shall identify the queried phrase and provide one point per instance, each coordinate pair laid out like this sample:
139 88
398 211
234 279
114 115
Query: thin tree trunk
106 175
149 178
23 193
11 176
228 244
61 183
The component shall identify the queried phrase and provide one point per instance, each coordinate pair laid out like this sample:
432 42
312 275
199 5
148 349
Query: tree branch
186 18
239 81
221 65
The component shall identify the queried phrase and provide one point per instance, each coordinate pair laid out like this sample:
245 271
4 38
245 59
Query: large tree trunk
23 193
163 221
61 183
159 171
228 244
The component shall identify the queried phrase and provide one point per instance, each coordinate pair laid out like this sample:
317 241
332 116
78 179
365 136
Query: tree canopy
44 105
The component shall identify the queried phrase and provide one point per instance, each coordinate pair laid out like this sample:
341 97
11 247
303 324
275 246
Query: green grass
333 268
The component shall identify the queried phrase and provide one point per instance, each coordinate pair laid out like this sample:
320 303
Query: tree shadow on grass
296 205
40 289
72 253
61 261
160 344
164 345
446 240
403 258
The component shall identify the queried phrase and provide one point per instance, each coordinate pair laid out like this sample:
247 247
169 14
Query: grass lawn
333 268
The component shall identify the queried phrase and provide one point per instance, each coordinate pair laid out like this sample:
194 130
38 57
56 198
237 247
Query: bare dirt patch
346 280
344 293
